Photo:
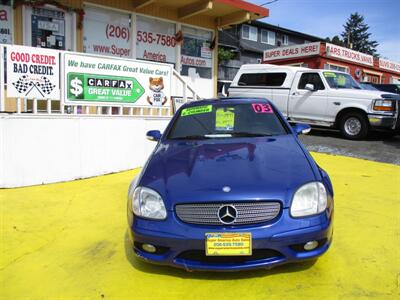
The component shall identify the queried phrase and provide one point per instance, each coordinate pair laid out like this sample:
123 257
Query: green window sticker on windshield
225 118
341 80
196 110
329 74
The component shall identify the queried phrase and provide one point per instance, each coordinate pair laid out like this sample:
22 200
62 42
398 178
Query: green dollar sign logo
76 86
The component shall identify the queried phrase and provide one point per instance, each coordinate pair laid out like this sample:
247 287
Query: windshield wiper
249 134
190 137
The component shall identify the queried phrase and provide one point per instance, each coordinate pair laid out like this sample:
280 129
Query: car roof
249 67
274 68
228 100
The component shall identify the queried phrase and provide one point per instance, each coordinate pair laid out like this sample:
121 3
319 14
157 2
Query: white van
319 97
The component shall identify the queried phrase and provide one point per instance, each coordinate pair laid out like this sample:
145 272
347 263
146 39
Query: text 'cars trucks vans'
320 97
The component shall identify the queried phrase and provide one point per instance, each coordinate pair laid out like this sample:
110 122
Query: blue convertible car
229 186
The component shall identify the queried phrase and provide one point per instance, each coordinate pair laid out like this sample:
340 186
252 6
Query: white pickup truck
319 97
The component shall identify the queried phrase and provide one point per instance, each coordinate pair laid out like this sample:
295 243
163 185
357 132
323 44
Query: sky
325 18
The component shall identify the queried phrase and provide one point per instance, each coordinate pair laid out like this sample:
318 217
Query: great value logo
92 87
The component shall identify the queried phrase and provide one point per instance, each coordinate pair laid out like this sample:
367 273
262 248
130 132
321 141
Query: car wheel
354 126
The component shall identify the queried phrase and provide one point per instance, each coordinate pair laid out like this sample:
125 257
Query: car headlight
384 105
309 199
147 203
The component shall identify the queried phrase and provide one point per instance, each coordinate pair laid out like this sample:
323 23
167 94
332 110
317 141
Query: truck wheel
354 125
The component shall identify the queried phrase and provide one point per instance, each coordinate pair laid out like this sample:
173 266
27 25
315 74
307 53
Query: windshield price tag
329 74
225 119
196 110
262 108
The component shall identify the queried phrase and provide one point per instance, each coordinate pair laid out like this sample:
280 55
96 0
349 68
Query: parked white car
319 97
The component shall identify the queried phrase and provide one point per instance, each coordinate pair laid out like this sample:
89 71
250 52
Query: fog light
310 245
149 248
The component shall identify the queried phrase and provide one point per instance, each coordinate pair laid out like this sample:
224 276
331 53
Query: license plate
228 244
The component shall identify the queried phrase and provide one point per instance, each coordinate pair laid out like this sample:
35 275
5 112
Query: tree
224 54
335 40
357 37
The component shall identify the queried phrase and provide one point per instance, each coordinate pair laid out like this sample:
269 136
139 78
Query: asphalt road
381 147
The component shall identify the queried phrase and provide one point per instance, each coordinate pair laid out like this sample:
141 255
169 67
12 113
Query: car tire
354 125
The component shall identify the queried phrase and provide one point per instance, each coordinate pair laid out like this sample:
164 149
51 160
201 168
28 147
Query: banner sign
100 80
6 24
33 73
292 51
389 65
107 32
349 55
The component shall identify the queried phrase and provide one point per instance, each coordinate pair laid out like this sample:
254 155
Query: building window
196 55
336 68
107 32
49 27
267 37
155 40
6 23
285 40
372 78
300 64
262 79
395 80
249 33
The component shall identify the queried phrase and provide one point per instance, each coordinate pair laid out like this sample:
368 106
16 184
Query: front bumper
384 122
390 121
183 245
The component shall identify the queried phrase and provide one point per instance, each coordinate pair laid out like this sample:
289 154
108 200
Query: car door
306 104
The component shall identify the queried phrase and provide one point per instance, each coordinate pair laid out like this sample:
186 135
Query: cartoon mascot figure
156 96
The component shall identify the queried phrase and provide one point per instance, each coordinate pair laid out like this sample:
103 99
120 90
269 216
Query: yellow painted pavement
69 241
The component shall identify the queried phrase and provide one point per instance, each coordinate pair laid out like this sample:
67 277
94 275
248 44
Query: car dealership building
183 33
321 55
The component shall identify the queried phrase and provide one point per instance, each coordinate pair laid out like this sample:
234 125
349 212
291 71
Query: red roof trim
244 5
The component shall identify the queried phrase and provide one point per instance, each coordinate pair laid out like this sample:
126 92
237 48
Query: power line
269 2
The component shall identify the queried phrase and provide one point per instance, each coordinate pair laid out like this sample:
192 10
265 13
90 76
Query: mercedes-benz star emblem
226 189
227 214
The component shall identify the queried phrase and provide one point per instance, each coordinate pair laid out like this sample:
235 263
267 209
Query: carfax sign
33 73
105 80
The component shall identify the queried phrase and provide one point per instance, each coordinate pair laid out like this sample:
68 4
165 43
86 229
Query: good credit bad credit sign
33 73
102 80
292 51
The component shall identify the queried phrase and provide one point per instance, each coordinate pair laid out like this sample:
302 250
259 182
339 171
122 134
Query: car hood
253 169
363 94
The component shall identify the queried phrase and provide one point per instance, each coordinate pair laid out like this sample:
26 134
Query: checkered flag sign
22 84
46 86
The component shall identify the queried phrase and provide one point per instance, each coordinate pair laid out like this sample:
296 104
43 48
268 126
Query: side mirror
310 87
301 128
153 135
223 92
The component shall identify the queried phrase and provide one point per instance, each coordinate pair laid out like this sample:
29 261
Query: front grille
200 256
247 212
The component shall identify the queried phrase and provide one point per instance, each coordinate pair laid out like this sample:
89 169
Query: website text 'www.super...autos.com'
113 49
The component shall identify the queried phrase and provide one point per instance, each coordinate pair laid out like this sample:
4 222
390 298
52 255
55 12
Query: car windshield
226 120
338 80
